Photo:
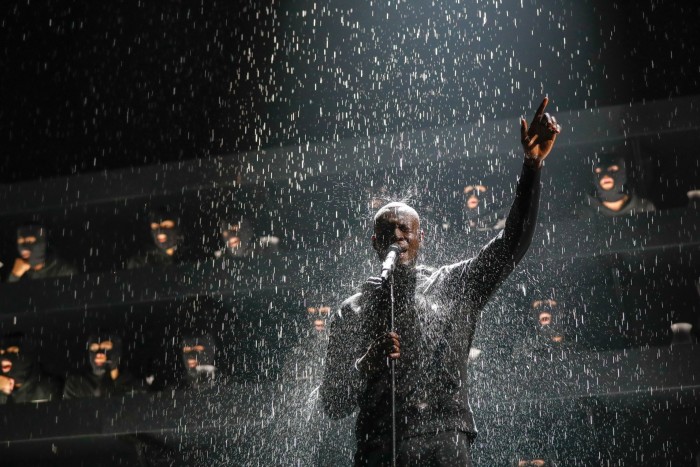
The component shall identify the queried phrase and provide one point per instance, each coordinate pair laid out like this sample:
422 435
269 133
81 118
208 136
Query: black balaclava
242 229
37 250
172 235
113 356
205 368
619 190
318 316
22 362
477 216
549 332
479 192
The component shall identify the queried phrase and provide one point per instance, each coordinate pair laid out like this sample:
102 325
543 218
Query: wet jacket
436 313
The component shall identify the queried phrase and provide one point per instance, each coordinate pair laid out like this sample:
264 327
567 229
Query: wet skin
398 223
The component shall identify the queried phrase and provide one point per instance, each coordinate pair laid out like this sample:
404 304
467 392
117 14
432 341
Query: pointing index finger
540 110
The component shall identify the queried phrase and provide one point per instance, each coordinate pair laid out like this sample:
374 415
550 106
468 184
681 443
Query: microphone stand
393 384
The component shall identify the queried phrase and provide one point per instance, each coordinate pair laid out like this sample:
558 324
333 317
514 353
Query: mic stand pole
393 385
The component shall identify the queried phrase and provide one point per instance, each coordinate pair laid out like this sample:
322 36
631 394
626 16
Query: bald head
394 208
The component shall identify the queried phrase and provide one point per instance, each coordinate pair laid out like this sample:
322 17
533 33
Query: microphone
390 261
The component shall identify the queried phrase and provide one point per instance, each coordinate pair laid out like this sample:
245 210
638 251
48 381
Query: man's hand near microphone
386 346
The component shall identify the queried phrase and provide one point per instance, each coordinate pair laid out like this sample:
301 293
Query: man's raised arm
499 257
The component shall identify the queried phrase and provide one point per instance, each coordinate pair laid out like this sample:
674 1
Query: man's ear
374 243
422 236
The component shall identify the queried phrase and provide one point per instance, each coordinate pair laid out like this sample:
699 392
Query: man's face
318 315
606 182
544 309
162 230
230 235
100 351
473 193
16 364
398 225
192 354
198 354
6 355
24 245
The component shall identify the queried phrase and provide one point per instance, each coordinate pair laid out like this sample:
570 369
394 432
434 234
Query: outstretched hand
538 139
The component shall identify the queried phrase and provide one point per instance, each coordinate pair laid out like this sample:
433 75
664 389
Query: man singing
435 314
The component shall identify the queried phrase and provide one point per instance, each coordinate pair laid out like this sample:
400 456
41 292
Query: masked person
164 226
479 212
105 377
21 379
236 238
549 321
318 315
198 358
612 195
435 317
35 261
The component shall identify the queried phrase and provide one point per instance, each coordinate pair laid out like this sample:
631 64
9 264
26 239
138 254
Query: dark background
89 86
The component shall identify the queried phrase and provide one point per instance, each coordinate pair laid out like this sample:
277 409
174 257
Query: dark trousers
449 449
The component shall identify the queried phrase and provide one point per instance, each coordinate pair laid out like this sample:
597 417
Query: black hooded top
32 384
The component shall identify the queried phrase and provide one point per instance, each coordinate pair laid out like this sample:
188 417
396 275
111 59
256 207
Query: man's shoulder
80 377
428 272
57 266
41 387
638 204
436 280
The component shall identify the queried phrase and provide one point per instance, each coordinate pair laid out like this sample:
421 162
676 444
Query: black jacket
153 257
635 205
89 385
39 387
436 314
54 267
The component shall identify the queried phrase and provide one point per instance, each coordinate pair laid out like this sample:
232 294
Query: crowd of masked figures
245 360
